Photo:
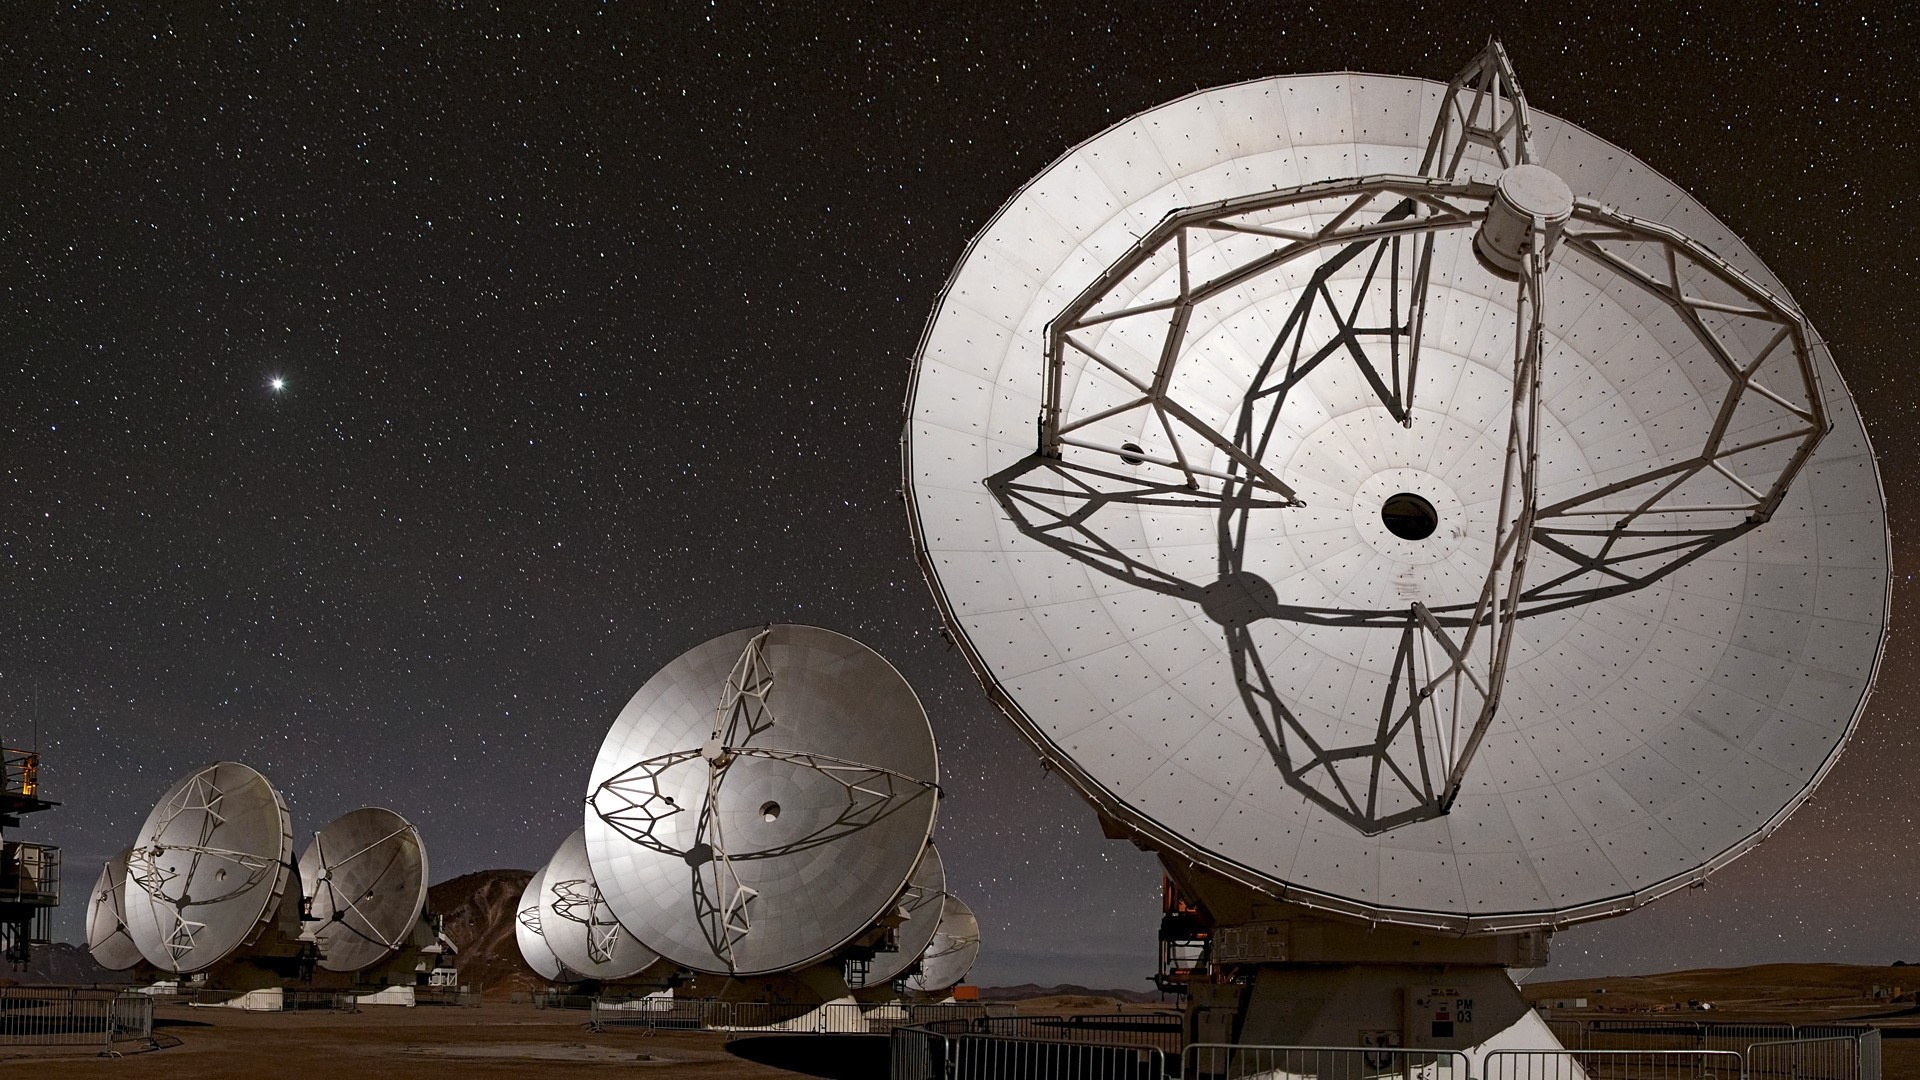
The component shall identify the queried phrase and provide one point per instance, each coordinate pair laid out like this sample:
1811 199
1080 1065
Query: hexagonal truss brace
578 900
1618 536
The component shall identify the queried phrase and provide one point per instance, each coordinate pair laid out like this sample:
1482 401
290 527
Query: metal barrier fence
1611 1065
921 1053
1165 1032
58 1016
773 1017
462 996
1837 1057
1221 1061
323 1000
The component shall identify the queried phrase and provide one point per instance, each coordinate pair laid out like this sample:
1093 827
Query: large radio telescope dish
761 800
365 875
922 901
210 869
111 946
577 924
951 954
1225 481
529 931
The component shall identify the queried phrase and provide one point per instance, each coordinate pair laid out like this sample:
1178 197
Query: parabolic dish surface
952 952
1221 678
211 867
529 931
577 924
922 902
365 877
761 800
107 938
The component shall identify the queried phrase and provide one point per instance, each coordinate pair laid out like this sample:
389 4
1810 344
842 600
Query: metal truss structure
579 900
146 869
1358 255
364 924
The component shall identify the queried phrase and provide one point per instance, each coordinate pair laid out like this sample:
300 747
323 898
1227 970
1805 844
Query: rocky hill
480 909
61 964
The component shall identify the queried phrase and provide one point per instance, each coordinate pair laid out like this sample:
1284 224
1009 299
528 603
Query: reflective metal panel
577 923
107 938
761 800
213 861
953 951
921 902
1485 541
529 931
365 876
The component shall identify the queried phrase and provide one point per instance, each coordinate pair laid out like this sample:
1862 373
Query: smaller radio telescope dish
107 938
921 902
956 945
577 924
210 870
761 800
529 931
366 877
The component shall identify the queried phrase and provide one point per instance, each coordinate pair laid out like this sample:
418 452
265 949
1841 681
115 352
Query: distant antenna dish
761 800
1482 542
921 901
529 932
577 923
210 870
365 876
107 938
951 954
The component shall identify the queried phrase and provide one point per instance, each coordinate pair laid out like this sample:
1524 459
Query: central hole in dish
770 811
1408 516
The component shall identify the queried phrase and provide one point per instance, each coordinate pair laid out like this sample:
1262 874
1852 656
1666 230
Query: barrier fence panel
1833 1057
657 1014
60 1016
991 1057
916 1053
1611 1065
1222 1061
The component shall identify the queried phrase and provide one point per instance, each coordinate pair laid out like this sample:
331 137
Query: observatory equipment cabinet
1409 514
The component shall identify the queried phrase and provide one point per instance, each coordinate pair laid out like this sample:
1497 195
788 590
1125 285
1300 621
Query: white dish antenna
210 870
578 925
952 953
921 902
761 800
1484 542
365 876
107 938
529 932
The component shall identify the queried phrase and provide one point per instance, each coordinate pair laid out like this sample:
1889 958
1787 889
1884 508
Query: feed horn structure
1412 516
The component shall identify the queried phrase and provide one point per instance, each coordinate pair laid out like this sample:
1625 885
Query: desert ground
517 1040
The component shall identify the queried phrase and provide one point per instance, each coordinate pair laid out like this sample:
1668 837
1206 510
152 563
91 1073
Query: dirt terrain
496 1039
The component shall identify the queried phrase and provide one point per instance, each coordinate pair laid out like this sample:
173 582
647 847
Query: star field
392 392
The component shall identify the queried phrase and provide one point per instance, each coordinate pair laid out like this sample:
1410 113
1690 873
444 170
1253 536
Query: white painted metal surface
761 800
1169 390
365 878
210 869
577 923
107 938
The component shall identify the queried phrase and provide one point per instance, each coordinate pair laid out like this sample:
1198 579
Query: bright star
277 383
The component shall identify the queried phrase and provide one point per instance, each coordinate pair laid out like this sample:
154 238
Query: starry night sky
595 326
